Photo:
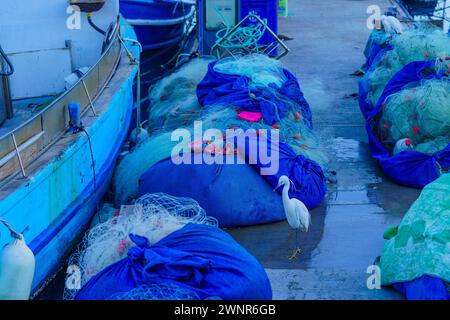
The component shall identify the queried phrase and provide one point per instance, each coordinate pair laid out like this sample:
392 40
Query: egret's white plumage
391 24
297 214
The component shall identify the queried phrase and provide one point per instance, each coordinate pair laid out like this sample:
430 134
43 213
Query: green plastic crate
283 8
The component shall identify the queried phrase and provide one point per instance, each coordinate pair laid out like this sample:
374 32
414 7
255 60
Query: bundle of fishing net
154 216
418 43
261 69
173 100
126 175
420 114
292 129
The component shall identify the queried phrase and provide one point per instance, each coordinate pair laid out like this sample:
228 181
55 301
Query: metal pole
89 97
18 155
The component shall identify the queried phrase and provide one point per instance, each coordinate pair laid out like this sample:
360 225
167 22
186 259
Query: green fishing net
418 43
174 105
261 69
421 244
173 100
292 130
432 146
421 114
135 163
378 36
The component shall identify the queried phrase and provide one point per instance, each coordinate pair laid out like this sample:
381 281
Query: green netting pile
134 164
421 114
261 69
420 244
292 129
174 105
173 100
418 43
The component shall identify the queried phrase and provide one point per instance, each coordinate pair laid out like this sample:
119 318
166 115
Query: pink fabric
250 116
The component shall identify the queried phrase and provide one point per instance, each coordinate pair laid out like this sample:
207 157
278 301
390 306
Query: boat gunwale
66 93
162 22
101 85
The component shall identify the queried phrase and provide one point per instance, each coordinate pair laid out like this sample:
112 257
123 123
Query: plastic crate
264 9
283 8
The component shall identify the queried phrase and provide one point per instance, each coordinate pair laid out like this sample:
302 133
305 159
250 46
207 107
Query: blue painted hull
56 204
157 23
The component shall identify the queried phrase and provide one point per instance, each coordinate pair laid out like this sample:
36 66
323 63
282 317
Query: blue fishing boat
158 23
67 71
420 7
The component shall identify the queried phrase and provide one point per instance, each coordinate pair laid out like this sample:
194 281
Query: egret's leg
297 249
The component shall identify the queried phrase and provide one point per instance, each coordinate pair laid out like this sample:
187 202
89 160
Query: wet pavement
347 229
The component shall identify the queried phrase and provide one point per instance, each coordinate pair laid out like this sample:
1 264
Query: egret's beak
278 186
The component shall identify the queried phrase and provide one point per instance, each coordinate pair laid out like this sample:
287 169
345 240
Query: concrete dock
346 236
347 230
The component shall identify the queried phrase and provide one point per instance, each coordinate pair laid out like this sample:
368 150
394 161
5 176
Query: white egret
296 212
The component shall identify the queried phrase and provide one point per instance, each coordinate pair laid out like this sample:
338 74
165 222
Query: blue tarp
272 102
235 194
200 258
409 168
307 177
424 288
364 84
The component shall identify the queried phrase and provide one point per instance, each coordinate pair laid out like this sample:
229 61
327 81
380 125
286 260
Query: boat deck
23 111
347 229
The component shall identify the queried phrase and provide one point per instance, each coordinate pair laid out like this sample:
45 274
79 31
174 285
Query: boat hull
55 203
157 23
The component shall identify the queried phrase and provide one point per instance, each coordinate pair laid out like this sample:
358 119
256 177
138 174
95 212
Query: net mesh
154 216
421 114
174 105
264 72
261 69
418 43
134 164
173 100
292 130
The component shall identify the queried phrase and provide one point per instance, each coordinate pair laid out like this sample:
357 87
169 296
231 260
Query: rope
14 233
243 37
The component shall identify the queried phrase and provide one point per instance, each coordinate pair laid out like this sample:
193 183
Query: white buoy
403 145
17 266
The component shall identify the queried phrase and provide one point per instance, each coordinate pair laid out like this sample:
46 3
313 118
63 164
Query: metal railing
28 140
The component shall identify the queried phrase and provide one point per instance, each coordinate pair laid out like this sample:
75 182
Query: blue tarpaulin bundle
233 192
376 54
409 168
200 259
307 177
423 288
272 101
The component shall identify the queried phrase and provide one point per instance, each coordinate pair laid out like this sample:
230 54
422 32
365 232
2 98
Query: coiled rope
243 37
